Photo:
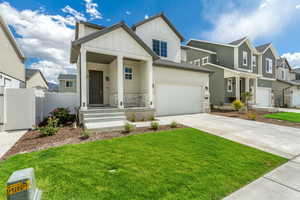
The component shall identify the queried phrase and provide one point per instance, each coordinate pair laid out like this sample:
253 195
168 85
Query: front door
96 87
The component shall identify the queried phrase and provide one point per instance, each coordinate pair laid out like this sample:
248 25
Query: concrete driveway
280 140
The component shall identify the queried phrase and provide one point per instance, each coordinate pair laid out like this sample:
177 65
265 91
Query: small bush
63 115
85 134
173 124
251 116
51 128
237 104
154 125
152 118
133 117
128 128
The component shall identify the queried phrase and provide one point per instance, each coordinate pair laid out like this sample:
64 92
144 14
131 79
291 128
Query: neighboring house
286 87
12 70
137 70
35 79
67 83
239 67
297 73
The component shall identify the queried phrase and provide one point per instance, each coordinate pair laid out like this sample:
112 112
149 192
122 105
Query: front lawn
176 164
286 116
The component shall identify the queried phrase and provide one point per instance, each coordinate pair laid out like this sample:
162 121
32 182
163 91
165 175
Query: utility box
21 185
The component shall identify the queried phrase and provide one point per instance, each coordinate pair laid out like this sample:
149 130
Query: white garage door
296 98
263 96
178 99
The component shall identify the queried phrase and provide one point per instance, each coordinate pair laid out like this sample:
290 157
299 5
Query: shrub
63 115
133 117
152 118
251 116
237 104
128 128
173 124
51 128
154 125
85 134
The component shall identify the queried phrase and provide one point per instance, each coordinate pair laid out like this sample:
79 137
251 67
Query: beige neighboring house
35 79
67 83
12 70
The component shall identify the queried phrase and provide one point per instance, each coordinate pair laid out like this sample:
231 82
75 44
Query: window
128 73
297 76
253 61
282 74
69 84
7 82
269 65
204 60
197 62
229 85
245 58
160 48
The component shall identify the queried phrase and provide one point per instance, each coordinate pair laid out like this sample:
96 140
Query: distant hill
53 87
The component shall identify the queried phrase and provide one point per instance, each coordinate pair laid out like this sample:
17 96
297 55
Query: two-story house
286 88
67 83
239 67
135 71
12 70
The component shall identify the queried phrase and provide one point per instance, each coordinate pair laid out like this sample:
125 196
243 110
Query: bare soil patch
259 117
33 141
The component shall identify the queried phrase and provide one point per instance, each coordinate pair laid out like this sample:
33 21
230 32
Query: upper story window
229 85
205 60
254 62
269 65
160 48
245 58
197 62
69 84
128 73
297 76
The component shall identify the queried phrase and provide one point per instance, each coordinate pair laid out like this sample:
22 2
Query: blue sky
44 28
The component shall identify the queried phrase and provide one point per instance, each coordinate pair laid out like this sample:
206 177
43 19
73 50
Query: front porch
115 81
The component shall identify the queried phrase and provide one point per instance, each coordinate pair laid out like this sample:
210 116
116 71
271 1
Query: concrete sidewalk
8 139
281 183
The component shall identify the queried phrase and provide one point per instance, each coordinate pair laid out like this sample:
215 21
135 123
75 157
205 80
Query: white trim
227 45
267 79
203 59
231 84
236 57
245 53
198 49
252 63
269 66
274 51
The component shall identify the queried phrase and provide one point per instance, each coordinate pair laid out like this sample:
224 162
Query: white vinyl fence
25 108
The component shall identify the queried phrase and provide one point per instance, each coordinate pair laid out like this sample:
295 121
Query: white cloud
44 37
298 6
128 13
293 58
108 19
146 16
92 9
77 15
266 19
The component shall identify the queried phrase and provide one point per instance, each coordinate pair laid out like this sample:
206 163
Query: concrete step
105 119
95 114
101 110
105 126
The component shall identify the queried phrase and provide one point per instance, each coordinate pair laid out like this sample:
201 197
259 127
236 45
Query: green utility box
21 186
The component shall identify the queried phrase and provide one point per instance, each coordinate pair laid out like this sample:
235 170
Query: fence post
21 186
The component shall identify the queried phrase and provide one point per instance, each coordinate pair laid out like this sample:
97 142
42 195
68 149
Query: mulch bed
259 117
32 141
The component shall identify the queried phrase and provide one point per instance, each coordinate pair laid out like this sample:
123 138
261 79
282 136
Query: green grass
177 164
286 116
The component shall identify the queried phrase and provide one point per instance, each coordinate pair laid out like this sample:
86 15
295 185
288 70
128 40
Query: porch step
105 126
101 110
105 119
96 114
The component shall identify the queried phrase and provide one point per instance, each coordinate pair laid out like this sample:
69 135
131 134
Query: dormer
161 36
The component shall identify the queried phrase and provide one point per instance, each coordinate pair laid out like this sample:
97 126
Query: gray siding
225 55
269 55
192 55
242 48
264 83
216 86
255 69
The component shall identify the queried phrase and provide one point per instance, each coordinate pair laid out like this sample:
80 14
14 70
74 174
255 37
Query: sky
44 29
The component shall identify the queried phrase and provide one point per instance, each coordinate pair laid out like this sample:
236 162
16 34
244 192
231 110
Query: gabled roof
95 26
165 19
12 39
31 72
281 60
204 41
263 48
99 33
183 66
66 77
198 49
239 41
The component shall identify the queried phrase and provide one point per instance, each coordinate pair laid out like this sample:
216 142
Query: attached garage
296 97
264 97
180 90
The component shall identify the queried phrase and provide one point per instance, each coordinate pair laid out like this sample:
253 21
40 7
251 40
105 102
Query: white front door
296 98
178 99
263 96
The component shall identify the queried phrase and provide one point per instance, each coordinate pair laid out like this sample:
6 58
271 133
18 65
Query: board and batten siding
268 54
195 54
244 47
158 29
10 62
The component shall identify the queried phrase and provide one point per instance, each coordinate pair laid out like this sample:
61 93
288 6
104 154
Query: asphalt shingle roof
263 47
237 42
67 76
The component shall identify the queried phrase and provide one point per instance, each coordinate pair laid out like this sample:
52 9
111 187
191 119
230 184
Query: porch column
83 77
150 83
237 88
255 90
120 81
247 84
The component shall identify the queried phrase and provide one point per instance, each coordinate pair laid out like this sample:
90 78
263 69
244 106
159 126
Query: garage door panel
178 99
296 98
263 97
